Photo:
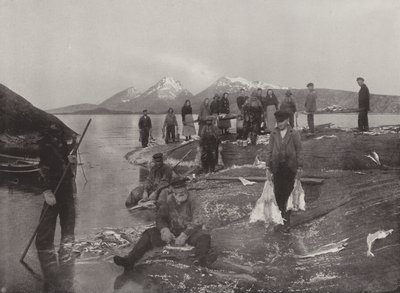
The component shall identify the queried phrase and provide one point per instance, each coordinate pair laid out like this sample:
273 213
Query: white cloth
283 132
266 210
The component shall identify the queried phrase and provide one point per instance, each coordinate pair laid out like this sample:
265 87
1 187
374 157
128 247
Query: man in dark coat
311 106
363 105
240 100
55 156
284 161
209 141
178 222
145 128
160 177
253 115
214 106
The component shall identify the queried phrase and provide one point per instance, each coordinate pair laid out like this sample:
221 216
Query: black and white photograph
199 146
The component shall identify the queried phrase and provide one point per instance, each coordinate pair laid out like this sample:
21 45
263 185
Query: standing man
160 177
209 141
240 100
252 115
178 221
284 162
311 106
54 159
145 128
363 105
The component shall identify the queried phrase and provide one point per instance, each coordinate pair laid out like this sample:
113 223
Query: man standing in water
159 178
284 161
363 105
311 106
145 128
54 159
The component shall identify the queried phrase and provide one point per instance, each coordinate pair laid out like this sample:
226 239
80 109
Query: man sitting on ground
178 222
159 178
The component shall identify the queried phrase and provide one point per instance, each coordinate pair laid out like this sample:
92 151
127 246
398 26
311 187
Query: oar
55 191
181 160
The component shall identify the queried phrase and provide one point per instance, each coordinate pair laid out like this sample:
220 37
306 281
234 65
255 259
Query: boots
286 217
123 262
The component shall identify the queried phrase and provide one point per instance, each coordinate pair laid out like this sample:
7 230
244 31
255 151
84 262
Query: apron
188 129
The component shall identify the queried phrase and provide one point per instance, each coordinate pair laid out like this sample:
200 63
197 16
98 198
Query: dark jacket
158 178
252 110
186 110
270 101
311 102
288 106
170 120
209 136
288 149
144 122
363 98
224 106
53 162
240 100
214 107
184 217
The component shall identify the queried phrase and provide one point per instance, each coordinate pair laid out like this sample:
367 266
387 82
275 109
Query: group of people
178 218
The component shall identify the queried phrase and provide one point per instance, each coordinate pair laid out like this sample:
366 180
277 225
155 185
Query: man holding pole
55 160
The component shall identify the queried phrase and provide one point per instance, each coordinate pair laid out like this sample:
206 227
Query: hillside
169 92
18 116
72 108
120 100
100 111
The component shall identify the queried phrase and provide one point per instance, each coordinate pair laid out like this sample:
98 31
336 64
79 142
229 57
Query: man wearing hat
288 105
311 106
284 161
160 177
178 222
209 141
145 128
363 105
54 154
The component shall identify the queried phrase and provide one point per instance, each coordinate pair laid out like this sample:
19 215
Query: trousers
283 186
310 121
144 136
363 120
170 135
252 128
151 238
58 274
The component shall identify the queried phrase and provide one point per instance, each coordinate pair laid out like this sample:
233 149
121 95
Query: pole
55 191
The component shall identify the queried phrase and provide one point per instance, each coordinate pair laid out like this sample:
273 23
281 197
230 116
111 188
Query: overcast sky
57 53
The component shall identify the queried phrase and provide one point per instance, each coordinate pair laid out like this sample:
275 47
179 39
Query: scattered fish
246 182
180 248
329 248
326 136
377 235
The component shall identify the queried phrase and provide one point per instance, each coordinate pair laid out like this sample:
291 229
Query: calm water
101 200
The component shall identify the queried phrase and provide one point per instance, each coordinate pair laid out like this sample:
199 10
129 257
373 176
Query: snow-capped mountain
119 100
234 83
166 93
167 88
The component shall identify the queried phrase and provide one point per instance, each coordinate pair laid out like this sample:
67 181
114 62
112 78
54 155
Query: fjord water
100 201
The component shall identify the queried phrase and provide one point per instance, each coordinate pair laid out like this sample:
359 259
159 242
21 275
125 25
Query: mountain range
169 92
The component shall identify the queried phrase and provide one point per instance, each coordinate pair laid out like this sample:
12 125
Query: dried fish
377 235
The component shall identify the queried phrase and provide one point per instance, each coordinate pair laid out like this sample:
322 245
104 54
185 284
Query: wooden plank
262 179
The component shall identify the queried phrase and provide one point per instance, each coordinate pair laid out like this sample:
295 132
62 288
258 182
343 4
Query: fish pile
106 242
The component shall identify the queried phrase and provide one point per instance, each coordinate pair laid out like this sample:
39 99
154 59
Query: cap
145 110
360 78
158 157
288 93
310 84
281 116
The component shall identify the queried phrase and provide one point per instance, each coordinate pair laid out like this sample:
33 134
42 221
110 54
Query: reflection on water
100 201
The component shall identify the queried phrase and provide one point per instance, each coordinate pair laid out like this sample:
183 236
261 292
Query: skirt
224 124
269 118
188 129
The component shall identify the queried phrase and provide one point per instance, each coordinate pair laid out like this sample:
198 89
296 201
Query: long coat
363 98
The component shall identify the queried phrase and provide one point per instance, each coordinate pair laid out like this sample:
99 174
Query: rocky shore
327 248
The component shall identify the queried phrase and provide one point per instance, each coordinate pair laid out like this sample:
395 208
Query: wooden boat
14 164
